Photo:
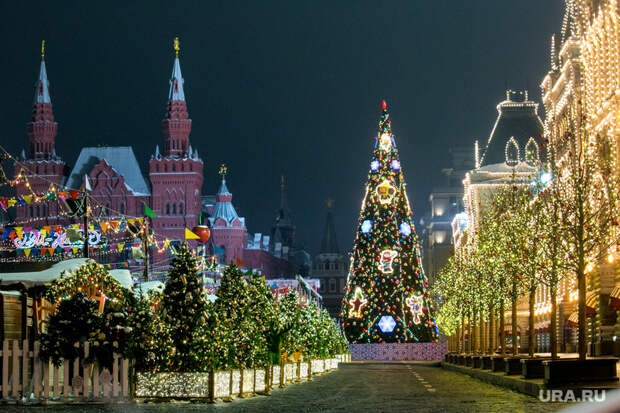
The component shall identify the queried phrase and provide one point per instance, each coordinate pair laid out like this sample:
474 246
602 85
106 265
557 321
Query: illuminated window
512 152
531 152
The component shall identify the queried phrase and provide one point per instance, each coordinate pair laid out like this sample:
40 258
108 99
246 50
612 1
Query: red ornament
203 232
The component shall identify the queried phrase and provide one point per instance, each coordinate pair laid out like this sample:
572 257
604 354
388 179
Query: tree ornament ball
203 232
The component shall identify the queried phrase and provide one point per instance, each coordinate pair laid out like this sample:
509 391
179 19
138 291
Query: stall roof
35 278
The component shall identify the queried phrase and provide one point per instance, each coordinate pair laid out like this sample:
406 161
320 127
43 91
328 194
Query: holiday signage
49 238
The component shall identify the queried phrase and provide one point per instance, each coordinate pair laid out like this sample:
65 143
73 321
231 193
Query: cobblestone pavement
360 387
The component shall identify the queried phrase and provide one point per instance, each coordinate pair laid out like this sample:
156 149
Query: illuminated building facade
585 69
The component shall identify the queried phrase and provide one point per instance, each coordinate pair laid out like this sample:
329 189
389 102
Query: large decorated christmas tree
386 297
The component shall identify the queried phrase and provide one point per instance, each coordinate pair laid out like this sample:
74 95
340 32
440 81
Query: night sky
290 87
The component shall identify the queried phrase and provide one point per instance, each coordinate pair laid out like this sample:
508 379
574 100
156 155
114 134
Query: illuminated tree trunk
532 335
581 283
554 324
515 346
474 336
462 348
502 329
469 334
480 340
490 338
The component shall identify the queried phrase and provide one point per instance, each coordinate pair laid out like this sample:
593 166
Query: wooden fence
28 379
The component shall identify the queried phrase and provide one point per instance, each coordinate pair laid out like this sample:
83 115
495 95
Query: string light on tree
358 302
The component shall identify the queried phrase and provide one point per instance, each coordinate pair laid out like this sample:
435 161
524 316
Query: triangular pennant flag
27 252
190 235
11 202
149 212
114 224
104 226
75 250
19 230
51 251
120 246
27 198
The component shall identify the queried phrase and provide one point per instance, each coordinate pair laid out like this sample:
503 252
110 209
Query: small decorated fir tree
182 309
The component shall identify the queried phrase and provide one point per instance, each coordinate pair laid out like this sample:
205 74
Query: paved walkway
361 387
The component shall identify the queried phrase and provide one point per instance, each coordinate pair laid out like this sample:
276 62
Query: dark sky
276 87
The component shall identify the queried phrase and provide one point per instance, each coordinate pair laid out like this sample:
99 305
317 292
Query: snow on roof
120 158
145 287
30 279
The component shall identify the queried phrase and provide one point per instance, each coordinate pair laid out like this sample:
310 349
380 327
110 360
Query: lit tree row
560 225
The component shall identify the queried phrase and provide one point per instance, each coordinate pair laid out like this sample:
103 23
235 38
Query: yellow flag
120 246
19 231
190 235
27 252
27 198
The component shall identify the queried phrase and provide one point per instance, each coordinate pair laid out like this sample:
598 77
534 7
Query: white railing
26 378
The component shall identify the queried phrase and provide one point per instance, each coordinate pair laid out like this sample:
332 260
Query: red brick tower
176 175
40 167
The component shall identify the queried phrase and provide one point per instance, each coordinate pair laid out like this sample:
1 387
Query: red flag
239 262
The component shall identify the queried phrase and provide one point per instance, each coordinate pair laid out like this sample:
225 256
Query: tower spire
329 243
42 128
176 125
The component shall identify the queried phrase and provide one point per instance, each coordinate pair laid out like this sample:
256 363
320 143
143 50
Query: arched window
531 152
167 209
37 211
174 209
122 208
44 210
512 152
